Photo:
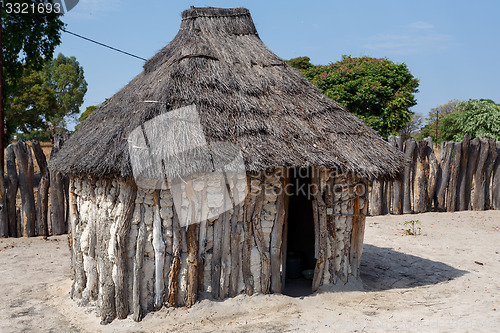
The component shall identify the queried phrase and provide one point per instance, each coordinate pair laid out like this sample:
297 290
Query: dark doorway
299 236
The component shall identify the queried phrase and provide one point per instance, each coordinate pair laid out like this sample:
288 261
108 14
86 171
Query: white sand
427 283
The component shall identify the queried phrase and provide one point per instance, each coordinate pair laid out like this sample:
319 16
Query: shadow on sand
385 268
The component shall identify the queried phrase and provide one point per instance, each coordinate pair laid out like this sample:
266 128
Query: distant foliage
300 63
478 118
88 111
435 121
378 91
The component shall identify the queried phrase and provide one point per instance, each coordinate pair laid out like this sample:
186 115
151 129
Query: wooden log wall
32 218
466 177
169 260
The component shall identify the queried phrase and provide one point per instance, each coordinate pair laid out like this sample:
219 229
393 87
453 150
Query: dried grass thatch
245 94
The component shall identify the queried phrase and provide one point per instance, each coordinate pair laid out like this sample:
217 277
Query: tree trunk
12 185
138 263
57 199
397 191
479 200
419 186
42 202
176 260
247 242
433 173
25 164
475 145
445 165
322 232
265 279
490 164
451 203
277 241
122 235
462 203
496 180
377 193
107 286
410 146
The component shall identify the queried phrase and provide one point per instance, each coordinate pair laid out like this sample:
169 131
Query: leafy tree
450 127
31 103
65 77
479 118
88 111
378 91
28 40
300 63
43 100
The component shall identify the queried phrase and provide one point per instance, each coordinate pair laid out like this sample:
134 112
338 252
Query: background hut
130 252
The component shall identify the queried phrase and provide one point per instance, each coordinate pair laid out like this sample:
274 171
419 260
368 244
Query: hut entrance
299 236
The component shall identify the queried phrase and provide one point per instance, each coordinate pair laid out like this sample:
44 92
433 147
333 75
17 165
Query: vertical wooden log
247 242
57 217
217 254
420 191
265 279
176 260
4 222
42 202
355 237
323 231
433 172
495 192
159 250
479 199
409 149
124 224
387 197
451 202
490 164
475 145
12 185
25 165
462 202
107 286
397 190
138 263
192 279
235 241
377 194
226 244
277 240
443 179
79 280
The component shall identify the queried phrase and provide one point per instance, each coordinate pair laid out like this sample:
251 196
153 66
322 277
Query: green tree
378 91
28 40
450 127
479 118
65 77
300 63
30 104
88 111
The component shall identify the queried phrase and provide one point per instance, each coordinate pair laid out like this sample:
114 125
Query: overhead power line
98 43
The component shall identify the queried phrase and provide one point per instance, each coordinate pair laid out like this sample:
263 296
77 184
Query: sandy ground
445 280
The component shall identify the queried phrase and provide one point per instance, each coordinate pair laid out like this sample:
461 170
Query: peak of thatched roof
245 95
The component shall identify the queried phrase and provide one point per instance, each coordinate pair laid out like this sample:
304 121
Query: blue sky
452 47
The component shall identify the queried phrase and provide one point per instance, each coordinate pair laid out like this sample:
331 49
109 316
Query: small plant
413 228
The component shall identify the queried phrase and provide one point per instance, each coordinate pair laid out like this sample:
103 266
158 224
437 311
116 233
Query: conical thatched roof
245 95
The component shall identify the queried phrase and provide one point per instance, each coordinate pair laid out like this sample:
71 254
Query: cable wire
98 43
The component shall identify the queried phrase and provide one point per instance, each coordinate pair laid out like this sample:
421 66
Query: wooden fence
32 217
466 177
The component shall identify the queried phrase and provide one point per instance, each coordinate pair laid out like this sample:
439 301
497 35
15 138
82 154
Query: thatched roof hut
250 231
245 94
